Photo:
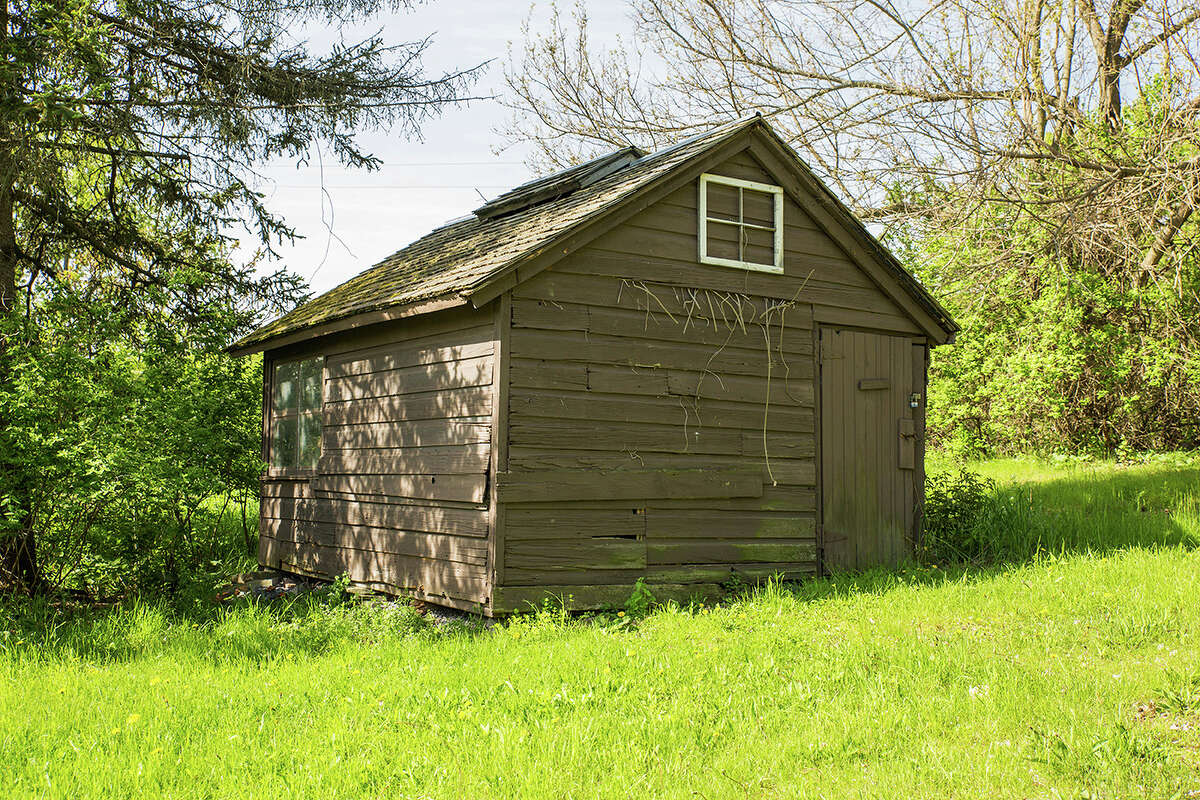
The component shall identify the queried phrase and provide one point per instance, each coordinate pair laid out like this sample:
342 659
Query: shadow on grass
1094 511
195 628
1089 511
1083 512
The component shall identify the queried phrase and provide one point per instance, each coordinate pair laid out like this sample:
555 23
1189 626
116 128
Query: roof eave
249 346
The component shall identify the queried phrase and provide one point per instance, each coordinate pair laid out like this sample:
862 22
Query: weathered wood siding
400 497
657 427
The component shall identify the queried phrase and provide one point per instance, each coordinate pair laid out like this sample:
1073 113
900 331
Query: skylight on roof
558 184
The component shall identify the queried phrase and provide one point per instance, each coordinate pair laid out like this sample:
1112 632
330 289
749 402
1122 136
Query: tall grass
1015 510
1031 682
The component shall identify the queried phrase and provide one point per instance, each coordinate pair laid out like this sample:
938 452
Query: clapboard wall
661 415
400 497
625 413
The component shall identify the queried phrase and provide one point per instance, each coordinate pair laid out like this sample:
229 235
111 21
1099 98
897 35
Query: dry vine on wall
731 313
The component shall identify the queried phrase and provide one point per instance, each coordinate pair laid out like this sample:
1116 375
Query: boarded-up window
741 223
297 391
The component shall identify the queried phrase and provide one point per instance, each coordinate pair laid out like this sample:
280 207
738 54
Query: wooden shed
694 367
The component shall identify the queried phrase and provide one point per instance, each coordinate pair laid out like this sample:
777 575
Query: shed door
869 448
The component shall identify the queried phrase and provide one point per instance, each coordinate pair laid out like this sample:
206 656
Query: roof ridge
556 184
732 124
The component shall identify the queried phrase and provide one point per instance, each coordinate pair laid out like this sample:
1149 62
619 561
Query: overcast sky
422 183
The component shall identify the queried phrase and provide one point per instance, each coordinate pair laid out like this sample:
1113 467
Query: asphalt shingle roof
463 254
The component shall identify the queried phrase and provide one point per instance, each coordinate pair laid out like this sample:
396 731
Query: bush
1059 354
957 507
131 448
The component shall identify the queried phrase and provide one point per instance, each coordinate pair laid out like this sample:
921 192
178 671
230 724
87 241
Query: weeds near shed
955 506
338 591
641 601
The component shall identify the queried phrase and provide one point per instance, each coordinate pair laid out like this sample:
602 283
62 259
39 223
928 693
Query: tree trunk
1110 98
1108 44
18 546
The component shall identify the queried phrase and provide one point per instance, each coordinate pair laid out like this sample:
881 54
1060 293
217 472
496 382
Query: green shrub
131 450
956 508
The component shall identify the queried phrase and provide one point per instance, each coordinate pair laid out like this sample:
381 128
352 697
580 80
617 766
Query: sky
351 219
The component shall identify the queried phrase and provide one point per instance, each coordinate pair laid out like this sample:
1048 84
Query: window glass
283 442
310 440
723 240
310 384
286 378
758 208
722 202
740 223
296 397
758 246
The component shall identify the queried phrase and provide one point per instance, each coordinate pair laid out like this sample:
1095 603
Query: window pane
283 442
723 240
722 201
759 246
758 208
286 389
310 440
311 384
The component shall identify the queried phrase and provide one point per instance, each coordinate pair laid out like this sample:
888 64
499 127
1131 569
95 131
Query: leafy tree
134 434
129 130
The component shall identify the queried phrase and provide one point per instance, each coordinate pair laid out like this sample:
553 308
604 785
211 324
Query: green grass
1077 506
1073 674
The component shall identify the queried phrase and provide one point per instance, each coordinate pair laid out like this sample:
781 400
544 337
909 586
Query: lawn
1071 673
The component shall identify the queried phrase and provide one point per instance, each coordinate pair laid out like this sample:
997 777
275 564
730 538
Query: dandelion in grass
133 718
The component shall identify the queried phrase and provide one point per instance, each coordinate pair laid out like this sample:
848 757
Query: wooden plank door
869 448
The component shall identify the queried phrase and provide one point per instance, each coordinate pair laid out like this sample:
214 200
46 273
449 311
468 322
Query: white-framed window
741 223
297 391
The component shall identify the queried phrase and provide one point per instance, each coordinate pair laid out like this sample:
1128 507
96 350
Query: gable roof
452 263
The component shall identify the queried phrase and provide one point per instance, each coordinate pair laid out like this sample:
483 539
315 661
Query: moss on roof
463 255
460 257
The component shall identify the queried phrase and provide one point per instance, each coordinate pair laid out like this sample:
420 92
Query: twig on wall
733 312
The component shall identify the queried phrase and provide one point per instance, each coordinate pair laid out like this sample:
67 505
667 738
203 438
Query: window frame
706 178
294 416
